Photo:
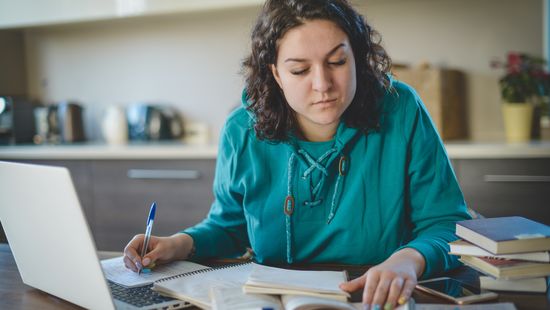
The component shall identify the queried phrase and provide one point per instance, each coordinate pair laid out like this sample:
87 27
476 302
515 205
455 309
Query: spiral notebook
115 271
194 287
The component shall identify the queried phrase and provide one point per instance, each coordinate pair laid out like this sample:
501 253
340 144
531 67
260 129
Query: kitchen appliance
148 122
65 123
16 120
71 122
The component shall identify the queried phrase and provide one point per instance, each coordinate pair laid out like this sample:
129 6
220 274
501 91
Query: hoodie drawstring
289 200
289 208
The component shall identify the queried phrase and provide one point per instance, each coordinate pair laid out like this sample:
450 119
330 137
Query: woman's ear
275 73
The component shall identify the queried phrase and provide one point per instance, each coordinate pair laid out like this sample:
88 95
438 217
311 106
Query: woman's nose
322 80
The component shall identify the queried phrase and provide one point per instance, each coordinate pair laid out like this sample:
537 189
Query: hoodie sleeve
435 200
223 232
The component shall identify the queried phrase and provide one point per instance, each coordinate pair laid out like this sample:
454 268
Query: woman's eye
298 72
338 63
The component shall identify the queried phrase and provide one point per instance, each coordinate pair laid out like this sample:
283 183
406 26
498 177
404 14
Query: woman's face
316 70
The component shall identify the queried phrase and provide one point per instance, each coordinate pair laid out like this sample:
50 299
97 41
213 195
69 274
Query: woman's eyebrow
332 51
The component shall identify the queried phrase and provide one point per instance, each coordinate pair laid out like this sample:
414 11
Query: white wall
192 60
465 35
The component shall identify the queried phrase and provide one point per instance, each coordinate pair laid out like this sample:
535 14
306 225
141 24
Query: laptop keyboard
137 296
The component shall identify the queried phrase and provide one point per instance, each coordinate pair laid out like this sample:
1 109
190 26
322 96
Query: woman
328 160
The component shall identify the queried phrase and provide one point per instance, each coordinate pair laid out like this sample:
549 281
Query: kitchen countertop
497 150
178 150
163 150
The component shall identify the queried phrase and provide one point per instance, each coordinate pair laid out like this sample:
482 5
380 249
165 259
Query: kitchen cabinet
117 185
124 190
506 186
30 13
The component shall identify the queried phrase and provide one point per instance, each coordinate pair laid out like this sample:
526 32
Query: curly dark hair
275 120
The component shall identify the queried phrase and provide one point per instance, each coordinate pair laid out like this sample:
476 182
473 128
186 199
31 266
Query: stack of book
512 252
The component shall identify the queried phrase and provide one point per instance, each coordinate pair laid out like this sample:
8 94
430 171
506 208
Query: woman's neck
317 133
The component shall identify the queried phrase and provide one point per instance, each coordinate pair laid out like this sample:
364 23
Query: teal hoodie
353 200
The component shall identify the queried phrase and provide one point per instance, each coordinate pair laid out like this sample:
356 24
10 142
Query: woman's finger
130 264
130 250
406 292
353 285
371 283
396 287
381 292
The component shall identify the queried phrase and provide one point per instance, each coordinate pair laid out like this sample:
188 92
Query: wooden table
16 295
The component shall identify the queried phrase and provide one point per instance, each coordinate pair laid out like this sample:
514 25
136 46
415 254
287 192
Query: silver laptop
52 244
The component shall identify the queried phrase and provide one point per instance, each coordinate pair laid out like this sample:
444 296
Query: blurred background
76 76
187 54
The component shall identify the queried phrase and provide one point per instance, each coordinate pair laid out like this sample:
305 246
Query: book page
115 271
195 288
306 280
232 297
297 302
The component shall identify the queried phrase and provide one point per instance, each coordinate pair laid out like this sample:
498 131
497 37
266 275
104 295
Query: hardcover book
505 268
505 235
532 285
461 247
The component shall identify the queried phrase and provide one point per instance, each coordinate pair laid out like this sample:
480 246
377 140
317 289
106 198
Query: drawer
506 187
124 190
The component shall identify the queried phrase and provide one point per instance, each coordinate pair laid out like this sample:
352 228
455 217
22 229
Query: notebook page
195 288
315 281
115 271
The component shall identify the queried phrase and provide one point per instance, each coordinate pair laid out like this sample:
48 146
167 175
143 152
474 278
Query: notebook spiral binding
187 274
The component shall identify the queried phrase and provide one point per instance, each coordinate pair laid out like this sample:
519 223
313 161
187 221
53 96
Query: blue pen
148 230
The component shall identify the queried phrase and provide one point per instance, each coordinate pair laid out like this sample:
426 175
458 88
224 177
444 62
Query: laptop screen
49 236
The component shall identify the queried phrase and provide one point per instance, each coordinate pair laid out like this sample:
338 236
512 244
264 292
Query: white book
461 247
233 298
533 285
271 280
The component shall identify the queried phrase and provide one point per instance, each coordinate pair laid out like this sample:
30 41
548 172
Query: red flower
514 62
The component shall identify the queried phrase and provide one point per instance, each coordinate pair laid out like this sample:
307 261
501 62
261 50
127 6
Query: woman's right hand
161 250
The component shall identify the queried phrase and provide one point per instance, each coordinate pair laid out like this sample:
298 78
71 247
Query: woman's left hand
391 282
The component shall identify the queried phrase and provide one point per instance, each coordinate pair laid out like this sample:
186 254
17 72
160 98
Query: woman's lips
327 101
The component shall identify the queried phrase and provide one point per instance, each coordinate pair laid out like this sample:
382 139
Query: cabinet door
507 187
124 191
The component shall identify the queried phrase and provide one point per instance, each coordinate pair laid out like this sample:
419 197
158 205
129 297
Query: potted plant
523 87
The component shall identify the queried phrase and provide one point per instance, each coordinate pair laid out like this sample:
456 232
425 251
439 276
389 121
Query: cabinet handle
517 178
157 174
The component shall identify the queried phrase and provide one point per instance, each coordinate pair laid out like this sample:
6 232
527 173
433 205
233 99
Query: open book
271 280
229 298
115 271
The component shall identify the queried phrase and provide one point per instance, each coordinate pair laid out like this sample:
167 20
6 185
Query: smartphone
455 291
